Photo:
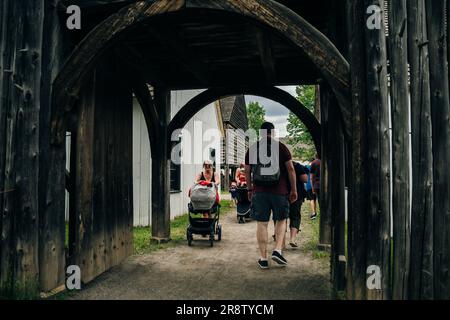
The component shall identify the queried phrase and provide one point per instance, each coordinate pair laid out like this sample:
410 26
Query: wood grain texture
378 244
320 50
421 273
440 114
398 57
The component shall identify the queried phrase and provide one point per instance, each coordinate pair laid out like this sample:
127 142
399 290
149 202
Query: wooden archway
273 93
274 16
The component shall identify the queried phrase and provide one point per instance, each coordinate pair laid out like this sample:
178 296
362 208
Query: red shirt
282 187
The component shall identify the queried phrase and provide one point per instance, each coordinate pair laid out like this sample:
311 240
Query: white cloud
275 112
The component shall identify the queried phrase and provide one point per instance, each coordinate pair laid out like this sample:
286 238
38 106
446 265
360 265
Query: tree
256 116
298 135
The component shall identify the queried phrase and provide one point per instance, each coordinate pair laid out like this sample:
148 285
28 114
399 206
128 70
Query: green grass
313 229
142 235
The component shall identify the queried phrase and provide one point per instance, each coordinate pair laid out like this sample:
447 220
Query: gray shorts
263 203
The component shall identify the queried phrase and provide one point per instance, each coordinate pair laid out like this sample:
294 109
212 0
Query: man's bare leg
280 232
261 236
294 233
313 206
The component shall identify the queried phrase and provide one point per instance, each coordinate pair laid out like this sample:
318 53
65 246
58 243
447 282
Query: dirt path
226 271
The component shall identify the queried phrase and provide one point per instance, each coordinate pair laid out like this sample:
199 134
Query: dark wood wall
103 172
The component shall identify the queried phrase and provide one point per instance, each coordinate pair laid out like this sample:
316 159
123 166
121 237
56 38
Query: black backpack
259 170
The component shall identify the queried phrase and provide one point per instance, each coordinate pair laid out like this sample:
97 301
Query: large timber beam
398 56
272 93
274 16
266 55
161 169
421 273
440 114
378 244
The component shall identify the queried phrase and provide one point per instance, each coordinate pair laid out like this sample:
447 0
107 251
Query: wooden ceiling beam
264 43
181 53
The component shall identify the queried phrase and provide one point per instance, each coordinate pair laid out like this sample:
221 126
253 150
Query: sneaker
313 216
293 244
263 264
278 258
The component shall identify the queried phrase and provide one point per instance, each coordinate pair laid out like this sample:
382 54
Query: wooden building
234 125
54 80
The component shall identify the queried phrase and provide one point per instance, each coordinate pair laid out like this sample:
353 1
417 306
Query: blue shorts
263 203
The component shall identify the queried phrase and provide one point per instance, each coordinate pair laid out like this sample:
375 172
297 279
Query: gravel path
226 271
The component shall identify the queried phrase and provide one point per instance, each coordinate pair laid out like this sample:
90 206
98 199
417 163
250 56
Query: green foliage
15 290
256 116
298 135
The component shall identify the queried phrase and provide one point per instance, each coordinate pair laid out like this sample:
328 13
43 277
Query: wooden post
52 260
6 65
357 193
336 189
400 146
103 172
21 149
326 156
440 113
161 170
378 244
421 273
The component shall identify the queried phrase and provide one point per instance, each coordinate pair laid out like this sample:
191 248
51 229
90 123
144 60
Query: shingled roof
234 112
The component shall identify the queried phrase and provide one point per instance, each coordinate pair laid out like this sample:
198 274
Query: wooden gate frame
273 93
276 17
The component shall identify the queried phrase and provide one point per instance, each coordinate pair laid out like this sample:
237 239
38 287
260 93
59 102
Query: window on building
175 177
175 174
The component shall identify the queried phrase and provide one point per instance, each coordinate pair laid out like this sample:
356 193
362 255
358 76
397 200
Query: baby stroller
204 212
243 204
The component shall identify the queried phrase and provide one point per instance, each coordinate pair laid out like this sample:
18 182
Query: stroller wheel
189 238
219 232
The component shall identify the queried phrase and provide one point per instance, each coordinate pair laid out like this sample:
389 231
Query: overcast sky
275 112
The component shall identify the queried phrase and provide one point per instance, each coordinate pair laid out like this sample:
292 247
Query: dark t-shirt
299 171
315 169
282 187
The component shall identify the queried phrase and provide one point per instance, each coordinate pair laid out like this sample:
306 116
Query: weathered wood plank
440 113
69 81
326 155
6 58
21 148
357 194
83 181
398 56
290 25
266 55
161 169
378 244
421 273
51 160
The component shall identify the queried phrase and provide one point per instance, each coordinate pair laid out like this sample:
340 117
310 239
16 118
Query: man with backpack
268 176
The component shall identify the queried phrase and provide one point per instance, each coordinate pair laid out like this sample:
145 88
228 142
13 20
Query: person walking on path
295 217
310 196
268 190
315 181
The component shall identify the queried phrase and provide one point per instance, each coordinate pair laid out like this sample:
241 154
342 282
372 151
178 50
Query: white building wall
207 117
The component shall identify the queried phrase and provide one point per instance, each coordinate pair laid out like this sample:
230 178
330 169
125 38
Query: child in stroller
243 206
204 212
